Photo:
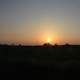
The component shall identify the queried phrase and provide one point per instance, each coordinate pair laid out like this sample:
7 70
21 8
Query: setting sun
48 40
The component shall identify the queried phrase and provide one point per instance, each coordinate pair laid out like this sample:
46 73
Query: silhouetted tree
47 44
55 44
67 44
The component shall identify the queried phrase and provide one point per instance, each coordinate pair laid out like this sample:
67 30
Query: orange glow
48 40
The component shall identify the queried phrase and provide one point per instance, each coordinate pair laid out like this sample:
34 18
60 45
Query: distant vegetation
17 57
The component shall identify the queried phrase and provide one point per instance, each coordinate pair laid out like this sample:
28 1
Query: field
45 59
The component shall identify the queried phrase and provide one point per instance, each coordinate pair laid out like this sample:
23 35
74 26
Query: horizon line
13 44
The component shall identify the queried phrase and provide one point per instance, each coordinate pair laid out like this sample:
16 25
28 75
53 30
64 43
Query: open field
45 59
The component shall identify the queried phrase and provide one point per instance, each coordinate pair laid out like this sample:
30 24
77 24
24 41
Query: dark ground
41 61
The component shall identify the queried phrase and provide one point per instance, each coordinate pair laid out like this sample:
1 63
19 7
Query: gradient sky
33 21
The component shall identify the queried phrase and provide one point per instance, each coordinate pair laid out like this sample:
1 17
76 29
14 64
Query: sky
34 21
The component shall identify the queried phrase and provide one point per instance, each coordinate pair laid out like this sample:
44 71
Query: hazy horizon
32 22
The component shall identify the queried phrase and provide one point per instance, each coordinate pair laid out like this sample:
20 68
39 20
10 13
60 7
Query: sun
48 40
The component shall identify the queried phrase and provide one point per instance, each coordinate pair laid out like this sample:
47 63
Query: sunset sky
36 21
